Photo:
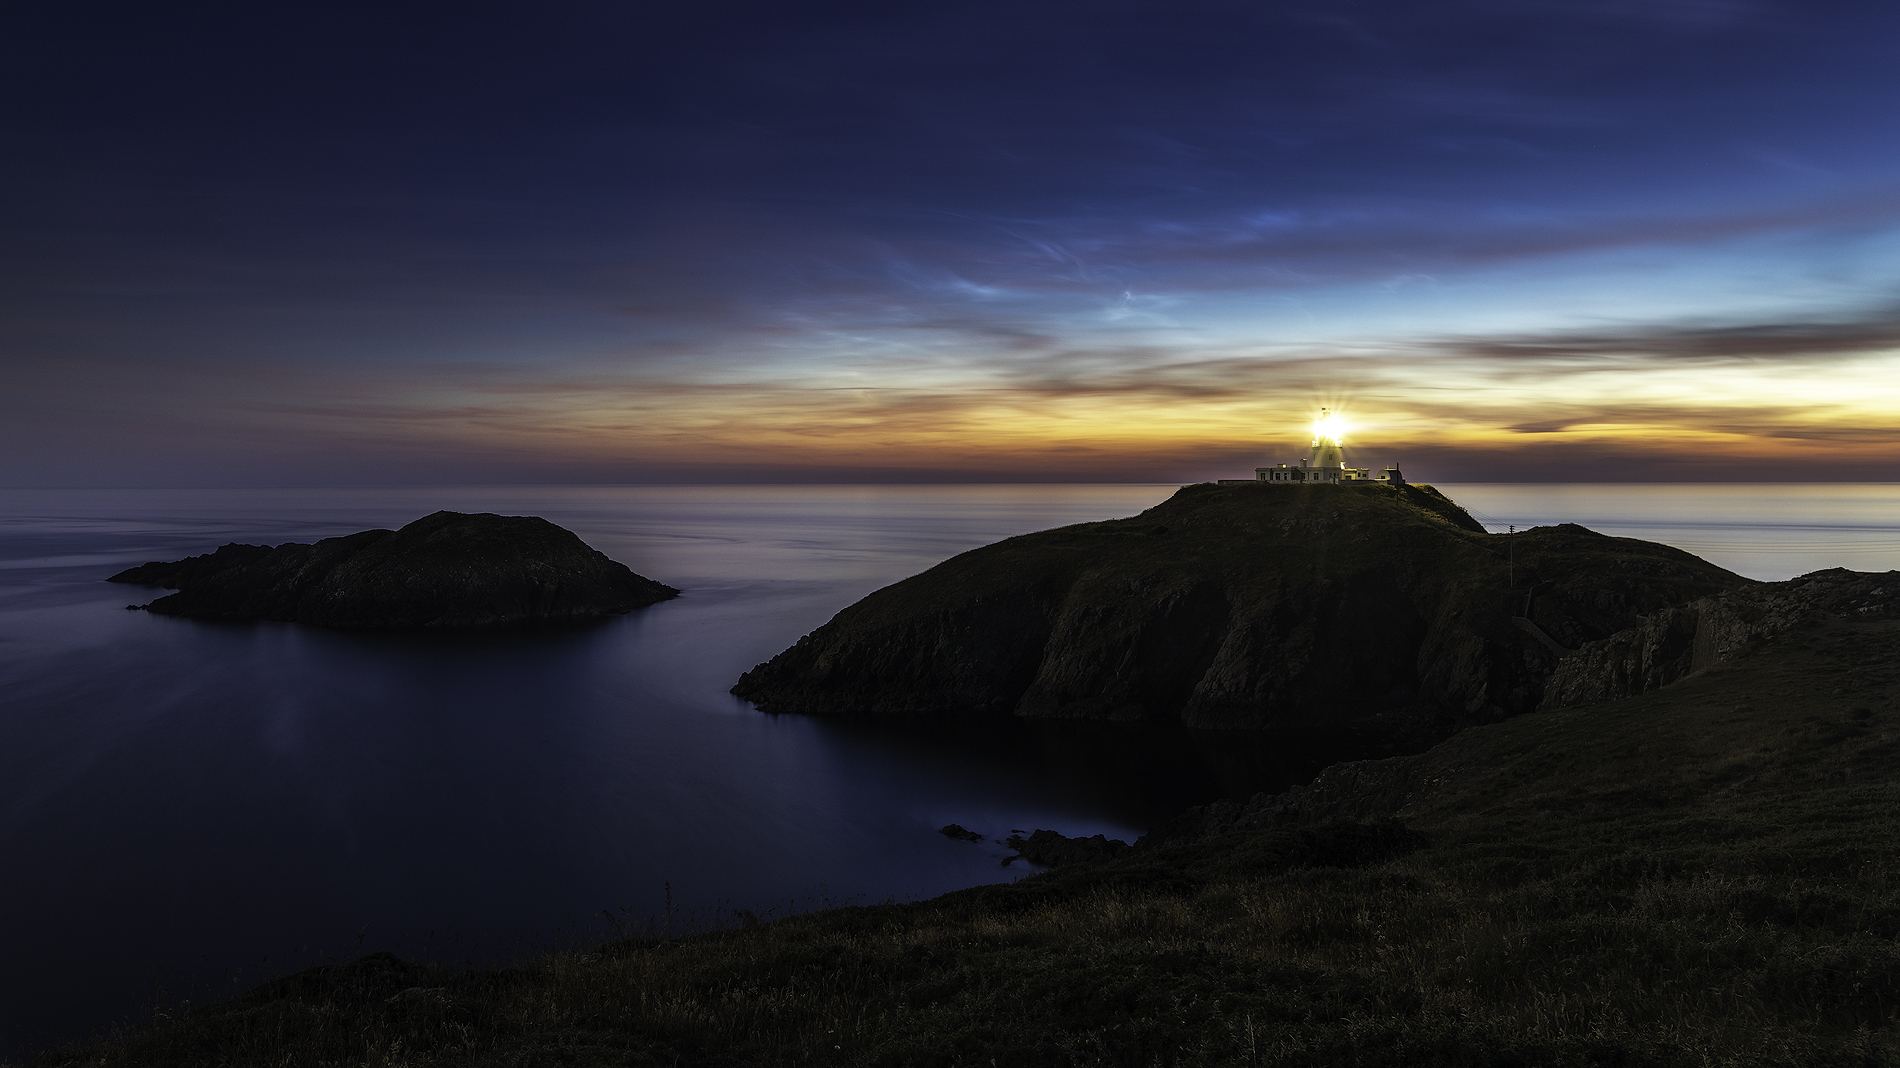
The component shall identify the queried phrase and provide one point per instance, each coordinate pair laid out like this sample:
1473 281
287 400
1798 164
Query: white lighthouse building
1326 463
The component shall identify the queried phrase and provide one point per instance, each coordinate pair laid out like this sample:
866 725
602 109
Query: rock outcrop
1805 617
1729 626
1052 848
1293 608
449 569
178 574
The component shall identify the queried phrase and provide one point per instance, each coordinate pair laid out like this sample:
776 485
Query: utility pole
1511 555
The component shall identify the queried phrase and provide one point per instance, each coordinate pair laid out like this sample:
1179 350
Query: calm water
185 807
1771 532
179 801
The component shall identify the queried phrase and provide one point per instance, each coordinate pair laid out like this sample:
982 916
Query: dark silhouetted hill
1384 610
449 569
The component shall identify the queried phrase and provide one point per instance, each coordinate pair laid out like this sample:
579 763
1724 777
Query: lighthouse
1327 462
1329 435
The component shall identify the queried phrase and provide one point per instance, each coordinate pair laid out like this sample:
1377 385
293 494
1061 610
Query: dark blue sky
590 242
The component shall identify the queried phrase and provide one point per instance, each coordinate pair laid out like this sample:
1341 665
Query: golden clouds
1716 403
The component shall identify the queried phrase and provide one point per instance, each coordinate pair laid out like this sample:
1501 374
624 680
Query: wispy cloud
1712 399
1873 331
1061 241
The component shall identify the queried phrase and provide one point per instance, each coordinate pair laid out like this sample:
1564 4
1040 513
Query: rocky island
1382 610
449 569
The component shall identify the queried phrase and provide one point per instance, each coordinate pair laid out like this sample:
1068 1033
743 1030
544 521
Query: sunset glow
1502 260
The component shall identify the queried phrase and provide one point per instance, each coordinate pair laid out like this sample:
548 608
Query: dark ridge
178 574
449 569
1381 614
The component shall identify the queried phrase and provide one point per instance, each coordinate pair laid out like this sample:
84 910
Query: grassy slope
1700 875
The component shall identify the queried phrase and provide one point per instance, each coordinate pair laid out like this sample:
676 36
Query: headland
1377 611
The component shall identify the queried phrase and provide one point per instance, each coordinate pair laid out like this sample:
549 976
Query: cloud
1873 331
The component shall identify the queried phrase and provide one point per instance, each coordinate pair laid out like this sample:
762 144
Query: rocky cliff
1719 629
1314 607
1810 657
444 570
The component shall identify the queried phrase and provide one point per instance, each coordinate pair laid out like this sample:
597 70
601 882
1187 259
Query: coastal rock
1679 641
1051 848
1361 608
1759 619
178 574
449 569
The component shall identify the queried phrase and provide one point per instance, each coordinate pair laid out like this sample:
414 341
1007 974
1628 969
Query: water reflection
179 800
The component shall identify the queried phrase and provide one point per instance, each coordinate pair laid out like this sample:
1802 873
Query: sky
406 243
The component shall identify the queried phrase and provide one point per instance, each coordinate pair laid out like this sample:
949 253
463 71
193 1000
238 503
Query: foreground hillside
1366 608
1701 874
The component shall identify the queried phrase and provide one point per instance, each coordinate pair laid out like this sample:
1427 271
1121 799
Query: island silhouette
446 570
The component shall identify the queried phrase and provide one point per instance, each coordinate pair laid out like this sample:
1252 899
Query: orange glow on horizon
1165 419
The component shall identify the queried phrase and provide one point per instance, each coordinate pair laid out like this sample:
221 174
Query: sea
189 808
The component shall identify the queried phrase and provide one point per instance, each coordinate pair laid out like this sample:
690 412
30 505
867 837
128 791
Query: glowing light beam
1329 429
